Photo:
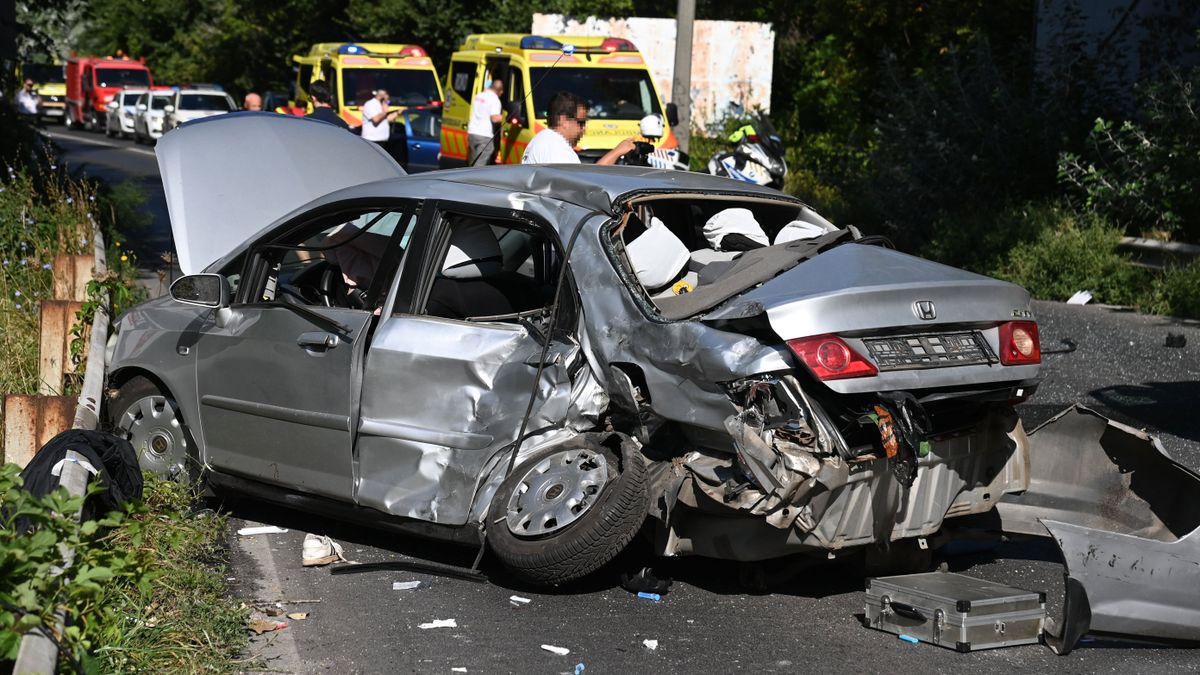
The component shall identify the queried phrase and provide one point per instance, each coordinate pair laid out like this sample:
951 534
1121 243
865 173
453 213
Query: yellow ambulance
609 73
355 69
50 83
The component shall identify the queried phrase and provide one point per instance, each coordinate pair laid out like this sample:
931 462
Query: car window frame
257 266
414 279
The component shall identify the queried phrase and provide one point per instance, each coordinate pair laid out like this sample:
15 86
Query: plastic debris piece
518 601
458 670
1080 298
650 644
909 639
439 623
579 668
650 596
260 626
260 529
1176 340
297 616
405 585
561 651
320 550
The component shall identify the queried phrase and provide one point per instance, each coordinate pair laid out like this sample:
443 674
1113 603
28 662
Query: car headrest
734 221
657 255
474 251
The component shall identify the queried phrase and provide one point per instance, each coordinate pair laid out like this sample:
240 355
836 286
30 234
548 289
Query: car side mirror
141 106
672 115
169 108
204 290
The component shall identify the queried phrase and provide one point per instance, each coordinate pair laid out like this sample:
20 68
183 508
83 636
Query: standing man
252 102
567 119
322 100
377 128
481 132
28 101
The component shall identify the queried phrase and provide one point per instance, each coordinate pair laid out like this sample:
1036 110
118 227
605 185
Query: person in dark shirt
319 94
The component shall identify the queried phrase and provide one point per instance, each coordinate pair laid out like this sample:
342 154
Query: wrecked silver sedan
552 359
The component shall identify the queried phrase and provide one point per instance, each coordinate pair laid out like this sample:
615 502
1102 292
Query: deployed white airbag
474 251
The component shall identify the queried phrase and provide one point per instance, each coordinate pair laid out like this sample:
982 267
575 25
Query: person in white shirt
485 112
376 118
567 118
28 100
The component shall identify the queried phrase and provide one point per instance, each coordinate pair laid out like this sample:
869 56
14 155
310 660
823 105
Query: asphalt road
709 622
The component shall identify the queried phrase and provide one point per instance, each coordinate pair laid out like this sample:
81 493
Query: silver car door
443 398
278 381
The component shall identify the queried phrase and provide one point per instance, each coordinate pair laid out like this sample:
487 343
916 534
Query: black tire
150 419
596 536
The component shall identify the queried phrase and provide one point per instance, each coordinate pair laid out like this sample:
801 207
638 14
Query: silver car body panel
210 175
1127 520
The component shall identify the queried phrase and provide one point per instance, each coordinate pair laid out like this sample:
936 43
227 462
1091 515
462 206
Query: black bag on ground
113 458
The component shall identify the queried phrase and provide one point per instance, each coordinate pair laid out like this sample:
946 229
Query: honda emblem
925 310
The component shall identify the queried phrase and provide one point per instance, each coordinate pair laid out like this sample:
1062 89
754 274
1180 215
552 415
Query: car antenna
567 50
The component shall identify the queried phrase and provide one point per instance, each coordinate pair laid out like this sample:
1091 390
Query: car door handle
416 146
317 340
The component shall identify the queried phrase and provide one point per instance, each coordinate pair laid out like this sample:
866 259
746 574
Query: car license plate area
940 350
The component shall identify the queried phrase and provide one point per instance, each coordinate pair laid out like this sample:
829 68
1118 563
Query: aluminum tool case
955 611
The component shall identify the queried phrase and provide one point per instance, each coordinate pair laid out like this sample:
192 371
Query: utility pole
681 88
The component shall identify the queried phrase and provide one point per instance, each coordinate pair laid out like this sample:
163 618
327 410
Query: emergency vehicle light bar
539 42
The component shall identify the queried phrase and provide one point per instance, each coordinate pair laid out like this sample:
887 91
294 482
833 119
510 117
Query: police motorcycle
757 156
644 153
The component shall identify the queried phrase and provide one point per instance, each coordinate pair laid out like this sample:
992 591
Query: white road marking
104 144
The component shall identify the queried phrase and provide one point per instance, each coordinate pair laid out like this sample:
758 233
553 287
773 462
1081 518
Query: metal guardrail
1156 254
38 652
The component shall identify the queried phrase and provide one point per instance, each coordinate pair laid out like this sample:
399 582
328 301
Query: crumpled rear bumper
1127 520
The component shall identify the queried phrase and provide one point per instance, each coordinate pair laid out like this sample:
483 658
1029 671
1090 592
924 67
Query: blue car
423 128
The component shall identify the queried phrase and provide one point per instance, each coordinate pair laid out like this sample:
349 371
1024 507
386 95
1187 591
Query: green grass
39 219
183 622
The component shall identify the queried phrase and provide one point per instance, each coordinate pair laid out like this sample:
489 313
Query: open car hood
229 176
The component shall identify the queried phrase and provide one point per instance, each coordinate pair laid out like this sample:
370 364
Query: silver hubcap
556 492
157 437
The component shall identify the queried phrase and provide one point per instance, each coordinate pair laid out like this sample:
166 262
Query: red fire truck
93 81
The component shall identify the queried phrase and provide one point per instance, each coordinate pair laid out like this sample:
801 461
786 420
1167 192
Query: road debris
645 581
439 623
406 585
518 601
1080 298
650 596
909 639
458 670
579 668
297 616
320 550
260 626
650 644
1176 340
561 651
260 529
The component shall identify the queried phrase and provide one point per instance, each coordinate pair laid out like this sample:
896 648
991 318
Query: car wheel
568 510
150 420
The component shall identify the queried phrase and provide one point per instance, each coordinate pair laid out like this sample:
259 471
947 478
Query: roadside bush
39 218
1079 252
1142 174
1177 292
143 594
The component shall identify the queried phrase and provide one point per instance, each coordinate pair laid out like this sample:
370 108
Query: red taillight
829 358
1019 343
617 45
